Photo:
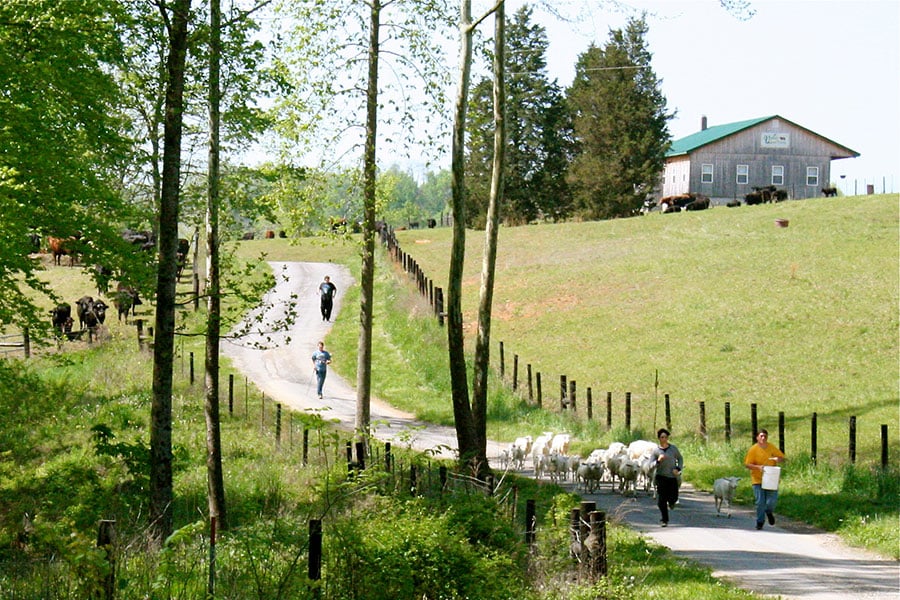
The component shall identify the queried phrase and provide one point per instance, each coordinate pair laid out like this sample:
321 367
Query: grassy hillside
725 305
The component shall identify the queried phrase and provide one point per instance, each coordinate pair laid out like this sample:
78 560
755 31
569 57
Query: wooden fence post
231 394
537 380
608 411
754 424
852 443
781 441
563 389
502 362
590 405
575 538
813 438
703 420
515 372
628 411
315 555
530 388
191 365
278 425
106 536
668 413
572 403
439 305
884 446
596 544
530 523
305 446
728 422
26 342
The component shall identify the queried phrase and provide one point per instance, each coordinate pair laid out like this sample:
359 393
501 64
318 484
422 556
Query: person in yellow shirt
760 455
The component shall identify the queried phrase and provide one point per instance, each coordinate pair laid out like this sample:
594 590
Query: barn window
777 175
706 173
812 176
743 174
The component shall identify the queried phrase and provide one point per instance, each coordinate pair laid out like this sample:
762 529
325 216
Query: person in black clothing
327 291
669 464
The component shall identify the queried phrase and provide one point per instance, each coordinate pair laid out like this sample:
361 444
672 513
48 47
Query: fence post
361 456
813 438
26 342
439 305
781 441
884 446
608 411
852 440
530 523
278 425
412 479
387 457
315 555
106 536
231 394
537 380
572 403
728 422
563 389
515 372
191 365
597 544
305 446
584 524
703 420
753 422
590 405
668 413
574 531
530 389
628 411
502 362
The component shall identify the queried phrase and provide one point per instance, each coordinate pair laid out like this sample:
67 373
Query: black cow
698 203
184 246
61 318
733 203
126 299
100 309
432 223
84 306
830 192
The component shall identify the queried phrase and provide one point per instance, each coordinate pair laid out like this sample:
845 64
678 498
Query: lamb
539 449
723 491
590 474
560 443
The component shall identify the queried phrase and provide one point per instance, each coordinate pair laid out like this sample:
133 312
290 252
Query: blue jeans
765 501
320 380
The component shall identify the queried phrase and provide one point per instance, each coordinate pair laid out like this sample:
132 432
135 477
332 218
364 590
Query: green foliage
538 134
620 125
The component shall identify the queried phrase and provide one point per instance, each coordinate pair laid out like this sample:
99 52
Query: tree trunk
462 412
367 275
488 267
214 476
160 508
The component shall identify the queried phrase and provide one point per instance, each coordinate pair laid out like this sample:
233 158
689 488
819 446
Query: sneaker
771 517
663 523
320 396
759 525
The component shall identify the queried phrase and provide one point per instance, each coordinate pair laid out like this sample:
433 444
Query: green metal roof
711 134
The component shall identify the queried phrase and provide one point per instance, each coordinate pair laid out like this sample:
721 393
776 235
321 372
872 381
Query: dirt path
788 559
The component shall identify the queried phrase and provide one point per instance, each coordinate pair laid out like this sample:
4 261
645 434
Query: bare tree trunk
214 476
160 508
462 412
367 275
488 267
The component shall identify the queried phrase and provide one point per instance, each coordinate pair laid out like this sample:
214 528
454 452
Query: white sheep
590 474
560 443
539 449
723 491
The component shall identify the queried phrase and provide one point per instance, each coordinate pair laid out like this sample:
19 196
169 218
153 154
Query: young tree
621 125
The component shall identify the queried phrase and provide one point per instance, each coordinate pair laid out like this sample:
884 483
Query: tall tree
61 138
621 125
176 15
539 133
488 268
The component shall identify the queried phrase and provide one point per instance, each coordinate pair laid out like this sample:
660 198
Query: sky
831 66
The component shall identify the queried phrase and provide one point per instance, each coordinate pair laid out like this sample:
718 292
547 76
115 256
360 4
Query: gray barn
725 162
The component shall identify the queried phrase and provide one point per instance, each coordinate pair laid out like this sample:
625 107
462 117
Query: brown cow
270 235
60 247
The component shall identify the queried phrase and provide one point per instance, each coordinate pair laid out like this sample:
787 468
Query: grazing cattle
671 204
60 247
723 491
699 203
753 198
762 195
432 223
61 318
248 236
84 306
733 203
282 233
126 299
145 240
830 192
270 235
184 246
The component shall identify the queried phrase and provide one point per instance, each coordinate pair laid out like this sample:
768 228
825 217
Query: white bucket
771 475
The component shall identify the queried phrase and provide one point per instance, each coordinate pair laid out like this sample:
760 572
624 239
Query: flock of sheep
627 468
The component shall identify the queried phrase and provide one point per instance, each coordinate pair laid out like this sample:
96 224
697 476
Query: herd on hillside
627 468
90 311
692 201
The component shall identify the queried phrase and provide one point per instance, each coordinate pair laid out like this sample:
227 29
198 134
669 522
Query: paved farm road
789 559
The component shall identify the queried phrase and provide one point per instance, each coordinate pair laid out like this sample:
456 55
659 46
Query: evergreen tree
538 133
621 125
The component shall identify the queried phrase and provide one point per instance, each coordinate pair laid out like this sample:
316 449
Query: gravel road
789 560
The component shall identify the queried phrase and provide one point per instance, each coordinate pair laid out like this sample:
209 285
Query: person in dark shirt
327 292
